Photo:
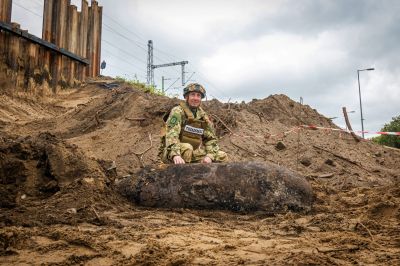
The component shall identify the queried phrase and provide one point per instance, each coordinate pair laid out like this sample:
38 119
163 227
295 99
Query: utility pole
359 94
183 74
182 63
151 67
162 84
150 72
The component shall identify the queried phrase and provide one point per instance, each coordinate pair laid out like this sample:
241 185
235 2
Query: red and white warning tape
294 129
345 130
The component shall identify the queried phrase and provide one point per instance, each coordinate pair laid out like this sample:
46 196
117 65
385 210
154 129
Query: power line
137 35
30 11
122 59
124 70
110 29
39 4
195 70
127 53
141 38
172 84
134 42
173 58
123 36
107 27
203 77
126 38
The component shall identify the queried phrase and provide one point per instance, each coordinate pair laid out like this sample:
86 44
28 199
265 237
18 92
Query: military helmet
194 87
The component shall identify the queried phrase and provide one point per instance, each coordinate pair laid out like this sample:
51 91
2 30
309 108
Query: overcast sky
251 49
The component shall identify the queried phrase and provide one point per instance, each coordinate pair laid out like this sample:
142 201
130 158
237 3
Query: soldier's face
193 99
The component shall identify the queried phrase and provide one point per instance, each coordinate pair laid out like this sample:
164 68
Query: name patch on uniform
194 130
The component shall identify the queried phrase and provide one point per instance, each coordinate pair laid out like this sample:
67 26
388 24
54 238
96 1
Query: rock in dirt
280 146
305 161
240 186
330 162
328 175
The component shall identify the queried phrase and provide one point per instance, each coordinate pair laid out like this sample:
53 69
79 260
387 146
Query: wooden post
94 38
5 16
78 44
52 38
98 46
12 55
4 40
83 35
47 31
89 48
58 34
72 41
5 10
12 58
95 18
47 20
64 43
23 63
75 42
30 64
346 118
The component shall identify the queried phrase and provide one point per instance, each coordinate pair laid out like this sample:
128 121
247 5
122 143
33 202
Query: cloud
245 50
284 61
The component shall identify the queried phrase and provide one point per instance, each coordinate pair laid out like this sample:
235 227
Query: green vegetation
141 86
389 140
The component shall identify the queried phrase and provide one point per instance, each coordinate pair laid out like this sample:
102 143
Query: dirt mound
41 166
59 157
288 112
44 178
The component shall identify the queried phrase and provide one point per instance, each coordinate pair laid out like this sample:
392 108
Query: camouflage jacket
176 119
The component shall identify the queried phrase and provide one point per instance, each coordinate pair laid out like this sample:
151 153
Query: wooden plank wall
27 65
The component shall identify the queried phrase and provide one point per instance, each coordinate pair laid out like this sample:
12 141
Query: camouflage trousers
195 156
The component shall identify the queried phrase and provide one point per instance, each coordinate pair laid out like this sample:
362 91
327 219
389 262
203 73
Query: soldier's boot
199 154
221 157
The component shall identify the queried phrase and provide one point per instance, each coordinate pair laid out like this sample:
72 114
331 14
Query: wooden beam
346 118
7 27
5 10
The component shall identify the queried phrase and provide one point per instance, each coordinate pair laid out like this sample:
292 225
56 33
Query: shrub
390 140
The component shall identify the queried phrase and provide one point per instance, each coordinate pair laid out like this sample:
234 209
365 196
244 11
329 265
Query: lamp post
359 93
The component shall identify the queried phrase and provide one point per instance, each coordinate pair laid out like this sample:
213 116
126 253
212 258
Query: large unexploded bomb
240 186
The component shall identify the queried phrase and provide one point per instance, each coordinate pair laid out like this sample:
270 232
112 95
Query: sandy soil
59 206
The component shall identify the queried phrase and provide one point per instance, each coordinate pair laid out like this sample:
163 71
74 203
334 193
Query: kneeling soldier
187 128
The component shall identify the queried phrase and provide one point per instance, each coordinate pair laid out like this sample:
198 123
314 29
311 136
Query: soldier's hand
206 160
178 160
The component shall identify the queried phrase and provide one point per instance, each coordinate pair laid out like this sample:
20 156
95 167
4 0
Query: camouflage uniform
186 132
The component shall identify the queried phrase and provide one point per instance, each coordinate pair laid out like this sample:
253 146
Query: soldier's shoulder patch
173 121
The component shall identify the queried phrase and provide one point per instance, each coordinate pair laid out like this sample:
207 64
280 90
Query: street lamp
359 93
